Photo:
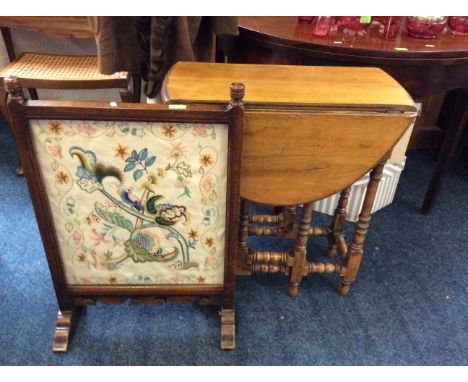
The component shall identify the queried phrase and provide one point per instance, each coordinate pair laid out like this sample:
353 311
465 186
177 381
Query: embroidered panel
136 202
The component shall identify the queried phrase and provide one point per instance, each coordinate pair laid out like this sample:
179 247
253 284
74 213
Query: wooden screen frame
70 297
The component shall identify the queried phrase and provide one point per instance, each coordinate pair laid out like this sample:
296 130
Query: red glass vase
391 26
321 25
354 23
458 25
428 27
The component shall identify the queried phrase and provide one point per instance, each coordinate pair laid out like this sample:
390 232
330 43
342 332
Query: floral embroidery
121 151
55 127
177 150
169 131
206 160
199 129
201 279
192 234
133 203
209 241
86 129
61 177
112 280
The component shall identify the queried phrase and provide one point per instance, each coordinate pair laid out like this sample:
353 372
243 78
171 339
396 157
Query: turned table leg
338 222
63 330
355 252
300 250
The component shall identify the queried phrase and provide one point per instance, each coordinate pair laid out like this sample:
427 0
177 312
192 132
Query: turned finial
14 89
237 95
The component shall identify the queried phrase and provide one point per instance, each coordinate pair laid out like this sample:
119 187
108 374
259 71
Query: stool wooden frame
72 297
49 71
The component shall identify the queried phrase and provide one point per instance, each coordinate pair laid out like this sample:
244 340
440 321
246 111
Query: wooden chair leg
355 250
228 329
65 324
132 92
6 34
4 111
338 222
3 102
136 82
33 93
300 251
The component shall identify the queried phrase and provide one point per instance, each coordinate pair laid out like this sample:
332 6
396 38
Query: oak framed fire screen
137 202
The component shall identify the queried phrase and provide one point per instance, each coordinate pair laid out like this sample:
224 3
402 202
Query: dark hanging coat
151 45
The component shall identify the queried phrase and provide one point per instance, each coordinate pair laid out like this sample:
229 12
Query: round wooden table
423 67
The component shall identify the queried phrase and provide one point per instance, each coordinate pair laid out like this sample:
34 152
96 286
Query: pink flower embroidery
55 151
182 182
77 237
88 130
211 262
199 129
98 238
207 184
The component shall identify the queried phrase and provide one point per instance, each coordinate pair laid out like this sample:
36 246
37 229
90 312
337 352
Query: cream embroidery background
102 236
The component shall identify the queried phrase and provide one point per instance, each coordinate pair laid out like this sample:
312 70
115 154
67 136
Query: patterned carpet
409 305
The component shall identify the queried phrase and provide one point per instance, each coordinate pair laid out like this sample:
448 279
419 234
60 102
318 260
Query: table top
55 26
336 127
286 30
338 87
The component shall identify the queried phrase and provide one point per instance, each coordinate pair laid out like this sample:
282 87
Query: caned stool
48 71
309 132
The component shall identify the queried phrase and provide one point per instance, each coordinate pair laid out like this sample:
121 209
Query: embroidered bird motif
130 198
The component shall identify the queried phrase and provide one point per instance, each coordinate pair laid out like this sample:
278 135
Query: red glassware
428 27
354 23
391 26
305 19
378 18
334 23
458 25
321 25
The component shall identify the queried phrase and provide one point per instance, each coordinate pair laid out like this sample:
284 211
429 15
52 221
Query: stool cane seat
52 71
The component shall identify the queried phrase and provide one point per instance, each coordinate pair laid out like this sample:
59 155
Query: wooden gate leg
354 255
339 220
300 250
289 213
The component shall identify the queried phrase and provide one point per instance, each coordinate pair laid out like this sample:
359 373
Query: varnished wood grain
292 158
285 85
302 124
424 68
54 26
355 252
287 31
